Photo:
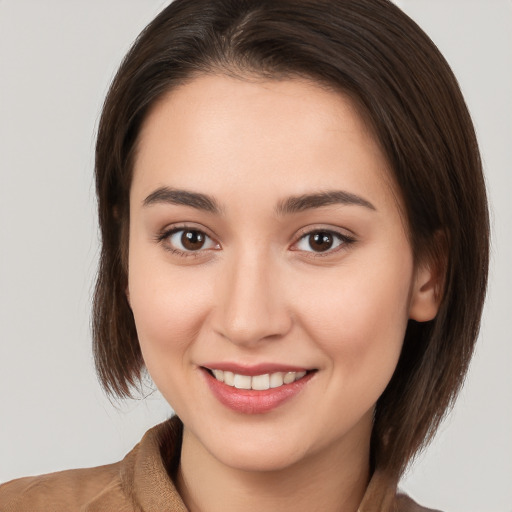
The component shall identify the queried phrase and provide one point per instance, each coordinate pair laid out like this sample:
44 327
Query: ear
426 294
428 286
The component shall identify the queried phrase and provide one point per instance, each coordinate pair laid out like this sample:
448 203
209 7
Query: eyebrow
290 205
304 202
166 195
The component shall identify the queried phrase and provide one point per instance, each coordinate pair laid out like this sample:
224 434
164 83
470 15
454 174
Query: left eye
190 240
320 241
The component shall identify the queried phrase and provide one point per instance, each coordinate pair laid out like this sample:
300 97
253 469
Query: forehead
289 136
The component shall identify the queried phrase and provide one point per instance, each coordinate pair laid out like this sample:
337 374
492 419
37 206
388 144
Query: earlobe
426 294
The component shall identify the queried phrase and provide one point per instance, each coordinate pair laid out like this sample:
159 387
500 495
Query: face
267 250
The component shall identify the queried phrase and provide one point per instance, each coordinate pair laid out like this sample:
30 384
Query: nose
251 306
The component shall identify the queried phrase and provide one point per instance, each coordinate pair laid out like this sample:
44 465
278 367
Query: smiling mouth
255 389
256 382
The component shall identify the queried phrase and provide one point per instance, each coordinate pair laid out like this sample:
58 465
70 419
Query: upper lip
255 369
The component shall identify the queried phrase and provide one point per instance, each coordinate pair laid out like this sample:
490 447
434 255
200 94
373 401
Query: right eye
322 242
187 240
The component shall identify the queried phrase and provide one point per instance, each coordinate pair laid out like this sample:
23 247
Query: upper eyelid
342 232
174 228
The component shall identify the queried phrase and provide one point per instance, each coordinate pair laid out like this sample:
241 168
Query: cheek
357 314
168 307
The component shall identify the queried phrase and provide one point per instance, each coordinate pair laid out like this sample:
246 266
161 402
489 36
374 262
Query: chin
251 448
258 458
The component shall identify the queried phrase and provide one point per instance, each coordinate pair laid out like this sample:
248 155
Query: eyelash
164 237
343 239
344 242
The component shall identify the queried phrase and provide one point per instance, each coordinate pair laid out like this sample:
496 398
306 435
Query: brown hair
373 52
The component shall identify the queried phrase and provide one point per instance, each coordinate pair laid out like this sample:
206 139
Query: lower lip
249 401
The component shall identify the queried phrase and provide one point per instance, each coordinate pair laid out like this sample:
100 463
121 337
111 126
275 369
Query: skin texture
257 292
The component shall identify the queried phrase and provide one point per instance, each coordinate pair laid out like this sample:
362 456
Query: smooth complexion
297 256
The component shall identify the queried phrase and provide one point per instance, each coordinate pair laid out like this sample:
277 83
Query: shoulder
140 481
406 504
76 489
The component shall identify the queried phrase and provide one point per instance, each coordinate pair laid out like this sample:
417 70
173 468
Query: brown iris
321 241
193 240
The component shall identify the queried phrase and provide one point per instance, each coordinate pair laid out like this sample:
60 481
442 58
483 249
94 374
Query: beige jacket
141 483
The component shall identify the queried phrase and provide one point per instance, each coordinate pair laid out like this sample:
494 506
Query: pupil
320 242
192 240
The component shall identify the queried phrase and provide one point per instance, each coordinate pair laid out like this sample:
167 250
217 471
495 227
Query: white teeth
289 377
242 381
276 380
261 382
257 382
219 375
229 378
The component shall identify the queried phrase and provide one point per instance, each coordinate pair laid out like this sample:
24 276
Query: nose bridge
251 304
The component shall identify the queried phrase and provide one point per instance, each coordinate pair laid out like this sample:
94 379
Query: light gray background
56 60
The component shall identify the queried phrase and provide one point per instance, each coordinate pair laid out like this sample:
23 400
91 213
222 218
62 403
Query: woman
295 246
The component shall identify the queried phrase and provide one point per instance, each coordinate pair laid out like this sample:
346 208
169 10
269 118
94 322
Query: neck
333 480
